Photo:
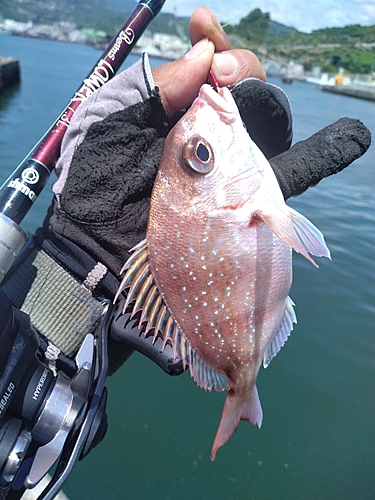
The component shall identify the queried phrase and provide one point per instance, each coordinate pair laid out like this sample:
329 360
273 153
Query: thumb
179 81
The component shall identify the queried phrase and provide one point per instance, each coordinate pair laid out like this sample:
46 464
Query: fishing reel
50 417
46 417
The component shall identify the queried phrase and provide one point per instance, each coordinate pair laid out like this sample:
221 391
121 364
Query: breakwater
360 93
9 72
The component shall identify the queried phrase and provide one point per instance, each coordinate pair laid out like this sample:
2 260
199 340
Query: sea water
318 395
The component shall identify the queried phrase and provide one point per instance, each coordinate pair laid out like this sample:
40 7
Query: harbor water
318 395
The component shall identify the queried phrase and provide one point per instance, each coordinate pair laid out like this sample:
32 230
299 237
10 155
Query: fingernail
197 49
224 65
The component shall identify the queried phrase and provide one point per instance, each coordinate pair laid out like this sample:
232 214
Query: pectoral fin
296 231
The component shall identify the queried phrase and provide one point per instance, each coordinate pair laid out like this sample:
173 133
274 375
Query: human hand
113 147
179 81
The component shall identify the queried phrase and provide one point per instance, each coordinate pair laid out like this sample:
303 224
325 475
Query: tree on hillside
253 27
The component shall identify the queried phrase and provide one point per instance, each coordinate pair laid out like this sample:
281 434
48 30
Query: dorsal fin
143 293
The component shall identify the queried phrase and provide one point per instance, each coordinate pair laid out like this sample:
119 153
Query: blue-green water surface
318 435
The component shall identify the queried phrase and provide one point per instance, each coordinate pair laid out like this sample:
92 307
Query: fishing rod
24 185
69 417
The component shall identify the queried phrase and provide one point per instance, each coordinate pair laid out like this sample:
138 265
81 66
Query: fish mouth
220 101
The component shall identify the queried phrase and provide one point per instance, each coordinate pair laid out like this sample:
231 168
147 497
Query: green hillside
84 14
350 47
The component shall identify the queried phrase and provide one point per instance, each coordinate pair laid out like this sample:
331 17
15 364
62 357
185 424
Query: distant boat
329 80
9 72
288 78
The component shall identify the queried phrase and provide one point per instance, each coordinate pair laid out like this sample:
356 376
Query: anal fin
205 375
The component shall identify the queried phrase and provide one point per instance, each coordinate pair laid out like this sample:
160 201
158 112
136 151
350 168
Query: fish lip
222 102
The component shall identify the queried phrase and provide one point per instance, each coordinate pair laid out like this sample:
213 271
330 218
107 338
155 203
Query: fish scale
212 277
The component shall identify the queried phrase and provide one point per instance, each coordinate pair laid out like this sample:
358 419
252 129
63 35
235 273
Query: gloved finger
325 153
265 111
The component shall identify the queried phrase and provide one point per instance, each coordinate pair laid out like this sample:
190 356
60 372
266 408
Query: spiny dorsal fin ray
142 294
155 313
132 266
139 279
149 301
283 333
143 291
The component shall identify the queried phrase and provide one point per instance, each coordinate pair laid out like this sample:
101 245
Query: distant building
162 45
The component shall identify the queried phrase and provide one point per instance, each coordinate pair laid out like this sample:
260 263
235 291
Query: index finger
204 23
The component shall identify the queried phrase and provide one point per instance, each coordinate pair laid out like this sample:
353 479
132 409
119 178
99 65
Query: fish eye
203 152
198 155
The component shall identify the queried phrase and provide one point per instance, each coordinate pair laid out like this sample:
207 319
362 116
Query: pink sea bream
212 277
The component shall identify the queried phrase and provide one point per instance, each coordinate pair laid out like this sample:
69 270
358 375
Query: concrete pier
360 93
9 72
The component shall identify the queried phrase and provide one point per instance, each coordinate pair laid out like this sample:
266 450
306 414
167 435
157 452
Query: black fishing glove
104 204
109 160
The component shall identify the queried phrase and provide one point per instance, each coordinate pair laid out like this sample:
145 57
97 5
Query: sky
304 15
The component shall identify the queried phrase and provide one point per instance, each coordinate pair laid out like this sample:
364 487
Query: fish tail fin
298 232
236 408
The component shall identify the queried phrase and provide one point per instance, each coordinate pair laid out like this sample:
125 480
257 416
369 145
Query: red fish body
214 274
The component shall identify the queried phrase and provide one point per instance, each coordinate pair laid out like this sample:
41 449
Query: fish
212 278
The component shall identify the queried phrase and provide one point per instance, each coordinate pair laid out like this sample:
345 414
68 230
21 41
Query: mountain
82 13
350 47
121 5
